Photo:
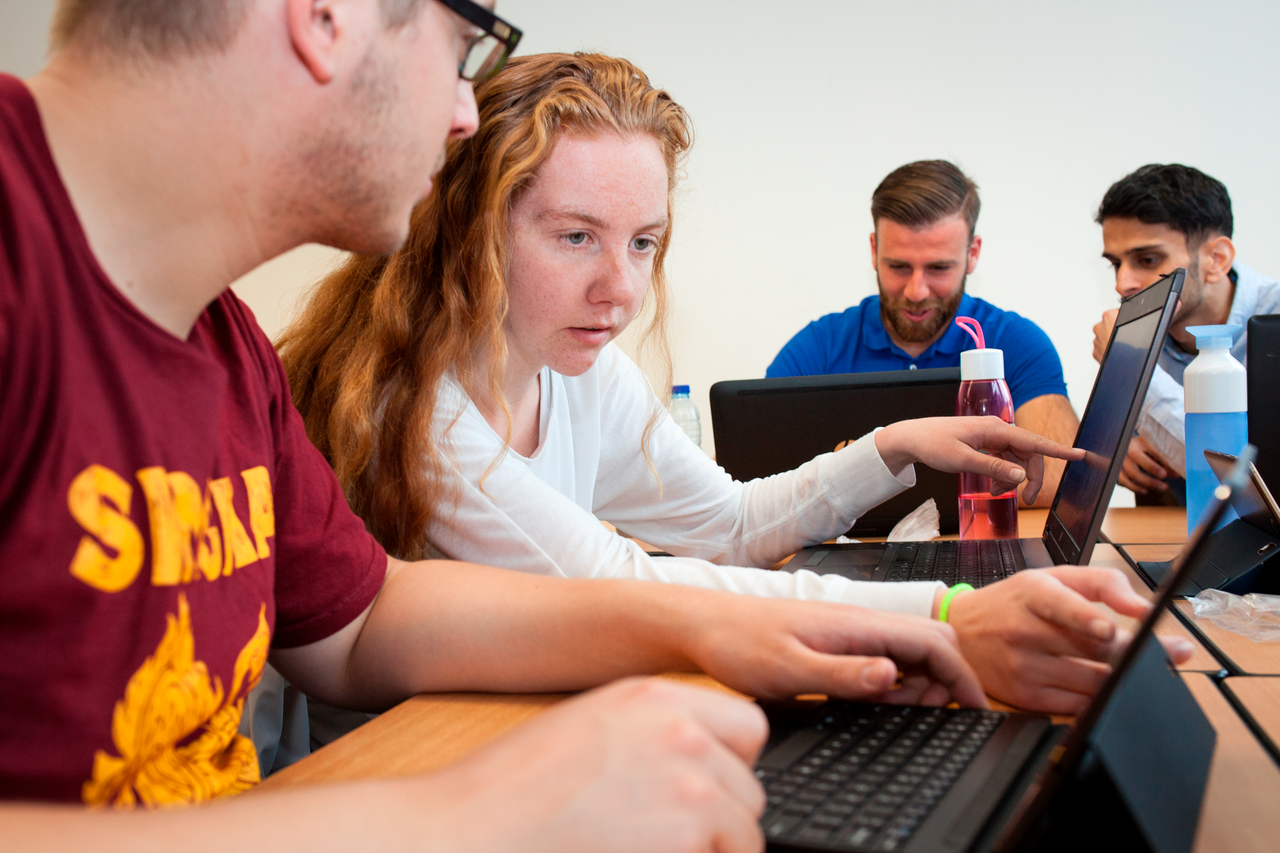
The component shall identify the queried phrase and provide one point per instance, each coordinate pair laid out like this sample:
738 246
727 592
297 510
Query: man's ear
873 250
975 247
1217 254
314 32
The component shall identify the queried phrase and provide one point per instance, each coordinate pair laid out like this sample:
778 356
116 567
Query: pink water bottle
983 392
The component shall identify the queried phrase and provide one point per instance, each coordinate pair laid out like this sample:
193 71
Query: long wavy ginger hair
366 357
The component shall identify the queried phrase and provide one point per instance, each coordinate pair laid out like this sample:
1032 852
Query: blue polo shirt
855 341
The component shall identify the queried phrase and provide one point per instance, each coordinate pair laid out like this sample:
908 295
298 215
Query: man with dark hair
923 247
165 525
1155 220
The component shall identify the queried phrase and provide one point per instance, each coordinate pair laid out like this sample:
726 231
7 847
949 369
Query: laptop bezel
1262 358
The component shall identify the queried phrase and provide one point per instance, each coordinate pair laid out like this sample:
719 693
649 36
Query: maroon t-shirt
163 518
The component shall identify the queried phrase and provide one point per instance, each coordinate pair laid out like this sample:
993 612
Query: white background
801 107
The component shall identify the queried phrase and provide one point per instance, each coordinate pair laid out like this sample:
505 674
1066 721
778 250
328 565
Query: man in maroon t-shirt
165 525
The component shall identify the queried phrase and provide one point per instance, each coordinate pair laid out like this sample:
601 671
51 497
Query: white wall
802 107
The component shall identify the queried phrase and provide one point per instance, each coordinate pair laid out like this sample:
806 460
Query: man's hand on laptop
1038 640
989 446
639 765
775 648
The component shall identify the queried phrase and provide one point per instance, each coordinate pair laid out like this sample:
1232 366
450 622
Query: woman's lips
592 335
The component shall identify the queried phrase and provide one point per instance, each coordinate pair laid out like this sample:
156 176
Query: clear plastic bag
1254 616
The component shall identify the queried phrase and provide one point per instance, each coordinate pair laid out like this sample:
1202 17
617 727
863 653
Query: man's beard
893 312
1192 292
350 201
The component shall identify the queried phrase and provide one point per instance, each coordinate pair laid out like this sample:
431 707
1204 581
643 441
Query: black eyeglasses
489 51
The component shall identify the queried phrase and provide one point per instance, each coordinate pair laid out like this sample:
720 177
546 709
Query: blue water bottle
1217 413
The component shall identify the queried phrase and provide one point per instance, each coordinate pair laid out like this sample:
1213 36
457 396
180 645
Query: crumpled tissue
918 525
1254 616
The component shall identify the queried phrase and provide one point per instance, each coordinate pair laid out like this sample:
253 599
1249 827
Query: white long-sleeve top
542 513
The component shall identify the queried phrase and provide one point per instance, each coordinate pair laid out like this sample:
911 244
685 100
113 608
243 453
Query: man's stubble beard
1192 292
892 312
352 202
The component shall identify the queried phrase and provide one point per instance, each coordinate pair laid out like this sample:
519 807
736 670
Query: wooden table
1145 524
1241 809
1260 699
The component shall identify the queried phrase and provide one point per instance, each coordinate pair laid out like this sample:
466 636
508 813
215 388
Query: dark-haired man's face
1141 252
921 275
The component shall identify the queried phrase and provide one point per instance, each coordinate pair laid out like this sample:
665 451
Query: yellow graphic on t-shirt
186 543
169 699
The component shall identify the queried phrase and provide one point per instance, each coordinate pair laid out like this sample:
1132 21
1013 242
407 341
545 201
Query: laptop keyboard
976 562
870 774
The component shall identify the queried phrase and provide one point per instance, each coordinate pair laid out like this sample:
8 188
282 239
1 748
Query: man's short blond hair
164 29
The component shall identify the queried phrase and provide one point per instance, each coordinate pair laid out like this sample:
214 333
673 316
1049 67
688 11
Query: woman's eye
643 244
576 238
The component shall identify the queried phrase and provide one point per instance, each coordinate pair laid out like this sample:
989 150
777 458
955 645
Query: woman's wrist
948 596
890 446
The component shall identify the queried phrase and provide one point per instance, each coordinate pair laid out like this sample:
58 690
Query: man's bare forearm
400 815
441 626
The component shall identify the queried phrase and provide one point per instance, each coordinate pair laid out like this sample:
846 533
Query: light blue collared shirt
1162 421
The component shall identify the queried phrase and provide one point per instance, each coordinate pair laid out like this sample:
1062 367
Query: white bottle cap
1214 381
978 364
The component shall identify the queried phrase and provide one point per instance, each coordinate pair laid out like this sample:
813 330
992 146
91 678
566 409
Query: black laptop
1242 557
1129 775
763 427
1262 357
1075 518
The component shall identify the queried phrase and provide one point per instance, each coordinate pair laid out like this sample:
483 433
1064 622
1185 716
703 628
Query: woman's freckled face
582 244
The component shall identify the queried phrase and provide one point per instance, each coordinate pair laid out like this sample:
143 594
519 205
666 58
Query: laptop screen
1102 429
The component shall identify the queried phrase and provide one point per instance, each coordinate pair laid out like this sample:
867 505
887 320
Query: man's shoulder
826 345
1262 292
841 324
853 313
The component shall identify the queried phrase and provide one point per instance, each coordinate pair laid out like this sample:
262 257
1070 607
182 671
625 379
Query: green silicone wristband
946 599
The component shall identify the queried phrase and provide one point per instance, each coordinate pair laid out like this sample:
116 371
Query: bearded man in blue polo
923 248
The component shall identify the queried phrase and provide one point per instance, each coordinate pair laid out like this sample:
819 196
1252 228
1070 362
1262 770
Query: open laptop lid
1075 519
1253 502
767 426
1065 759
1262 358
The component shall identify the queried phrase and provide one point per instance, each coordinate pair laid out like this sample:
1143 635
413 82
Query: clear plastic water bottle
685 413
1217 418
983 392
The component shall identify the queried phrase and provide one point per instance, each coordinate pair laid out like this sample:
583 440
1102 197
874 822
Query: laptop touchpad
856 564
